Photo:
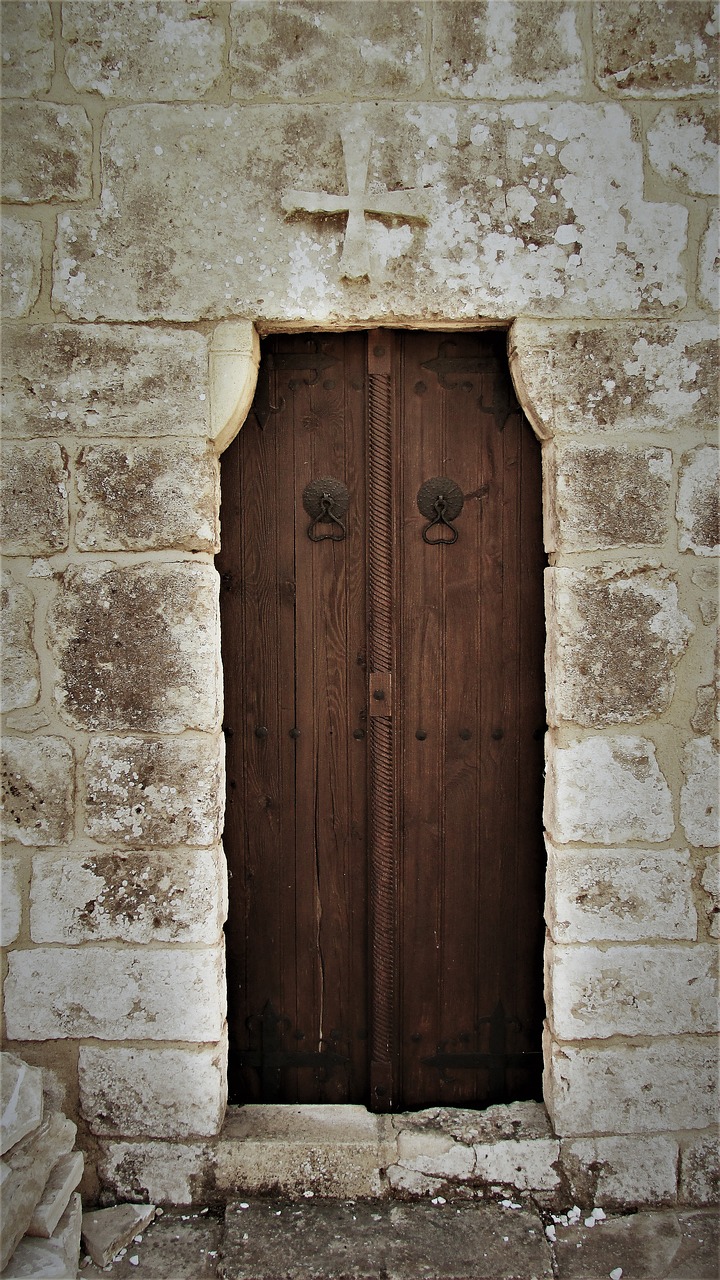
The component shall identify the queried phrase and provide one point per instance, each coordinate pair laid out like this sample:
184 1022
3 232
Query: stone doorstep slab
189 1245
332 1240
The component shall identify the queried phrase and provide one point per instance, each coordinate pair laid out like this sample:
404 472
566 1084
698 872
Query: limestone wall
547 167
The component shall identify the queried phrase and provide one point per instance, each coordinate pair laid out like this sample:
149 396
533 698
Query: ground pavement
357 1240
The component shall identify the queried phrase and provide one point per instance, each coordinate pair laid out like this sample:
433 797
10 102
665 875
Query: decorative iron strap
382 771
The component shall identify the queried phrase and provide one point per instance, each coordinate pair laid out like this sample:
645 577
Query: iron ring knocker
440 500
326 500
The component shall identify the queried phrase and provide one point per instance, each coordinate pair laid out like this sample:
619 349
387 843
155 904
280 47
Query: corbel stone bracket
234 364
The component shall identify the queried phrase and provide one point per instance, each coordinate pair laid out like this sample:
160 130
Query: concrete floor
360 1240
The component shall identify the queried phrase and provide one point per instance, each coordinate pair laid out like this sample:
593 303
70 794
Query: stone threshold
345 1152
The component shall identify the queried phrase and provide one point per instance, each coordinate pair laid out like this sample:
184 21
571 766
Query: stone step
333 1240
291 1240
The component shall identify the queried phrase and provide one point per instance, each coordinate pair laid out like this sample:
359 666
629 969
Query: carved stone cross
407 204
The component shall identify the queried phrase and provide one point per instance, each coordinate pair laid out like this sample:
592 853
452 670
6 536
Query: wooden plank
422 700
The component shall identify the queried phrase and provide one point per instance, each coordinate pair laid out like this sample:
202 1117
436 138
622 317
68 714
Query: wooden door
383 638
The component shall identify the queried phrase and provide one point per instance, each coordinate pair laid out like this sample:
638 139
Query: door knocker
440 500
326 500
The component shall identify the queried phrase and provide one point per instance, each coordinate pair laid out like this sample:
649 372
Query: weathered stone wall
545 166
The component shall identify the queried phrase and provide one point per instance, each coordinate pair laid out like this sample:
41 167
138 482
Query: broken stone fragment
56 1257
29 1164
106 1231
64 1178
21 1098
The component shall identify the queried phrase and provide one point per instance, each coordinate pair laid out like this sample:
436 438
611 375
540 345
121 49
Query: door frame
244 395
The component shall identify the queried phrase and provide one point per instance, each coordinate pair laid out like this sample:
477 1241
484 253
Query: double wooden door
383 645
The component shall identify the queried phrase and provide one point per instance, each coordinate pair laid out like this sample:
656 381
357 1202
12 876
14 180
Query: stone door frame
234 366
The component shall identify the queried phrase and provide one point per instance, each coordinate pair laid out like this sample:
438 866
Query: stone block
619 1172
705 714
28 55
707 580
711 884
435 1154
683 147
154 1093
700 1170
607 791
606 496
667 1085
155 794
115 993
21 1097
46 152
34 515
21 670
514 50
614 638
699 794
709 263
106 1231
29 1164
621 378
526 1164
172 51
137 646
21 264
38 779
409 1183
63 1179
594 993
514 1120
297 51
655 49
619 895
336 1152
101 896
141 497
162 1172
698 507
516 211
58 1257
100 380
10 901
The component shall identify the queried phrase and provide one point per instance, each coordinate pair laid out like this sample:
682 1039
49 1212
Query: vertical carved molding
382 758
